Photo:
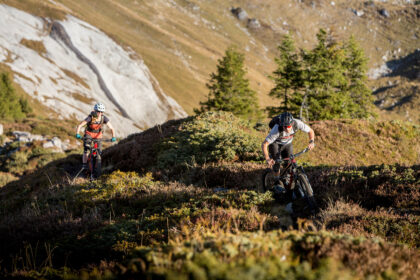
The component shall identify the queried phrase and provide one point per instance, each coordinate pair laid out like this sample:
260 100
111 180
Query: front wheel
267 180
98 166
308 195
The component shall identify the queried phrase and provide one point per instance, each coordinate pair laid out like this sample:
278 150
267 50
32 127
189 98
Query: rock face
78 65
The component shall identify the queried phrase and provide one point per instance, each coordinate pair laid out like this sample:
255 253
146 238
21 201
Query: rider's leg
86 149
274 150
286 151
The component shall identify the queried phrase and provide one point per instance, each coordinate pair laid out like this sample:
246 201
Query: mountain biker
279 141
93 130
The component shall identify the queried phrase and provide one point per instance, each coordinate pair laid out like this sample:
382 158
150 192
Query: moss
406 231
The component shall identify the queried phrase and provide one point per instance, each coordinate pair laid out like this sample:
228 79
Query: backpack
276 120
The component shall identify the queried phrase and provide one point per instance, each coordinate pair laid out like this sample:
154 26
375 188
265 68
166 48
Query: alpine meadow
153 139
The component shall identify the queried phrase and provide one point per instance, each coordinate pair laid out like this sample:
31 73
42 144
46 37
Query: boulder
54 144
253 23
384 12
36 137
18 134
239 13
22 136
1 129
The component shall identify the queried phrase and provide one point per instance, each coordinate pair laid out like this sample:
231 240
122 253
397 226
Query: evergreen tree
356 63
325 81
287 77
10 105
331 81
229 89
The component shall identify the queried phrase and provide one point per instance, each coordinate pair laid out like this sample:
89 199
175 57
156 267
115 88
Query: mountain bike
294 184
94 159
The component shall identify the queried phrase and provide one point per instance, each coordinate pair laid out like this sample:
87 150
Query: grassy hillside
180 41
206 219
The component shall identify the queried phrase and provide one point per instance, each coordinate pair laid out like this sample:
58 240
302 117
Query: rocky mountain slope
180 42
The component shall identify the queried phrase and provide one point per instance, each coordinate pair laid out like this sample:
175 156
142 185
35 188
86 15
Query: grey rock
384 13
239 13
18 134
57 142
253 23
36 137
48 144
357 13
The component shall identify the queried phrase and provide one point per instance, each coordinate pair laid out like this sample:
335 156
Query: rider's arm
111 128
311 134
264 147
83 123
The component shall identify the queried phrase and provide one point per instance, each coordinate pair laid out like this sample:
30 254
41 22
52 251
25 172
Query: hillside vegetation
163 214
180 41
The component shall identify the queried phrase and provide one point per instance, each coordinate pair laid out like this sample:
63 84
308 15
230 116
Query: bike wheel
91 167
267 180
98 166
306 189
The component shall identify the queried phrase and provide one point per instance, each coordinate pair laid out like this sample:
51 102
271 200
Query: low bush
211 137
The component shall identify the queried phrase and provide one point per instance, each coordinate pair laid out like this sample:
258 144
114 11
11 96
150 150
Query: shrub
11 106
6 178
211 137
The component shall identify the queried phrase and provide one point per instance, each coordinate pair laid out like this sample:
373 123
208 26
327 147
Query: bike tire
98 166
91 167
306 188
267 180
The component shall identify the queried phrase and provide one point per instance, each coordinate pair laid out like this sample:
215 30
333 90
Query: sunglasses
287 126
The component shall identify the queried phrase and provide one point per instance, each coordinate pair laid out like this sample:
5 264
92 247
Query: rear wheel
305 187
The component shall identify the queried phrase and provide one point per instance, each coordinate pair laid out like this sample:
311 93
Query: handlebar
96 140
280 160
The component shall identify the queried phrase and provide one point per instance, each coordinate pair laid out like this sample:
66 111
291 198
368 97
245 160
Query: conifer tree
287 77
356 63
331 83
10 104
229 89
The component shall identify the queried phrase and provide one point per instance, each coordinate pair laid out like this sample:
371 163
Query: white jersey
283 137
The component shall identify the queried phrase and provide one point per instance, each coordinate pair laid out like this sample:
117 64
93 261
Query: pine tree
356 63
229 89
287 77
334 81
10 105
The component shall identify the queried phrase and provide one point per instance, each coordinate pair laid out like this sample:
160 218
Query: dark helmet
285 119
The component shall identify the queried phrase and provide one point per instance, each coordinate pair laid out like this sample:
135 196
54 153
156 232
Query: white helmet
99 107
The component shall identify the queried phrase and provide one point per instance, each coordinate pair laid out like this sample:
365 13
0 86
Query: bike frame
94 155
291 165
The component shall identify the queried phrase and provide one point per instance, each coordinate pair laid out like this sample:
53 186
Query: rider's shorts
88 142
278 151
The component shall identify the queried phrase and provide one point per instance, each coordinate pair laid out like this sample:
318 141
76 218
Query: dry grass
188 37
37 46
75 77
